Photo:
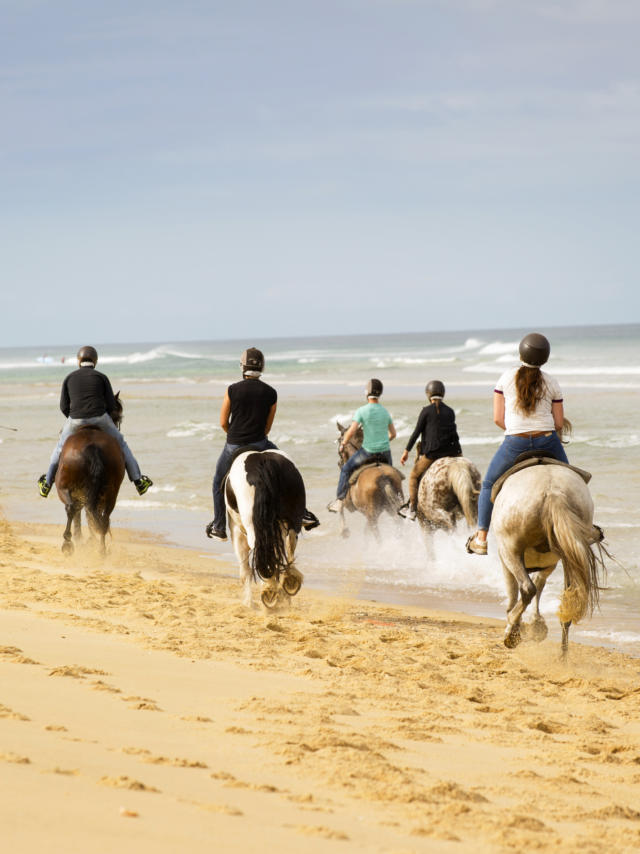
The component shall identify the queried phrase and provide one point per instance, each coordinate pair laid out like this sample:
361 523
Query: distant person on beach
436 427
528 406
86 400
378 430
246 415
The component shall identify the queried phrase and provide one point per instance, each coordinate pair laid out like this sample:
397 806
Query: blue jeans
104 422
358 459
222 468
504 458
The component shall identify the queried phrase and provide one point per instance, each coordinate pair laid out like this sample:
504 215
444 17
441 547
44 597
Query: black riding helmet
88 354
434 389
374 387
534 349
252 360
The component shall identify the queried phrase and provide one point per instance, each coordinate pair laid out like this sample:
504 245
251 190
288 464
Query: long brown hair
530 389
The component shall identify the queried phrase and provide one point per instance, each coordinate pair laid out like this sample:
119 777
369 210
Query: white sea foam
187 429
610 636
499 347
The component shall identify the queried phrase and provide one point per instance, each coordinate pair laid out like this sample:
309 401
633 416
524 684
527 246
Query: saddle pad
535 461
356 474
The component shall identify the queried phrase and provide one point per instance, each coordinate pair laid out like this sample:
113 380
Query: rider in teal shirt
378 429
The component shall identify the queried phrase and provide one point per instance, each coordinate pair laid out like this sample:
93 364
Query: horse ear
117 395
339 426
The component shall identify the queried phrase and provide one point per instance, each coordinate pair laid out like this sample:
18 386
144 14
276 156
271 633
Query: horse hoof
513 637
67 547
538 630
291 584
269 597
345 534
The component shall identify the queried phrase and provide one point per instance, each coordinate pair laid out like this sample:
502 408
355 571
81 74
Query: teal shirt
375 422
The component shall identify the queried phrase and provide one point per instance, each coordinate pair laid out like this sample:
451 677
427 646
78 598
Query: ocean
172 393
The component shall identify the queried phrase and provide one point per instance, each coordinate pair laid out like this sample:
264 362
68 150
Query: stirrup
142 484
475 547
309 520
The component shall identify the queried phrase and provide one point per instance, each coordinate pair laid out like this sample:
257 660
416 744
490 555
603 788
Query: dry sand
143 709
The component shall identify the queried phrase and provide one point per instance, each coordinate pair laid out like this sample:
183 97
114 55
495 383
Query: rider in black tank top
251 402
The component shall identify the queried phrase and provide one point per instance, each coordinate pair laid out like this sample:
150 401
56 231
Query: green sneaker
142 484
43 486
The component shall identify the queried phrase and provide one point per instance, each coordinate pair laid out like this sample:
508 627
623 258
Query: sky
176 170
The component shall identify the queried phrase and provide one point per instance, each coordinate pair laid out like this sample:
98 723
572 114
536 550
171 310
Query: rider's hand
404 457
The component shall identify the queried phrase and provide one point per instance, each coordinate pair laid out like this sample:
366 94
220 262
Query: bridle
342 456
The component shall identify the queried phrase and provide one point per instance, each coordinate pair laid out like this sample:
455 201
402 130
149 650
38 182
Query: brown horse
89 475
373 490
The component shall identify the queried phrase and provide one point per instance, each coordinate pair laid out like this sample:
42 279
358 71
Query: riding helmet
252 360
435 389
88 354
534 349
374 387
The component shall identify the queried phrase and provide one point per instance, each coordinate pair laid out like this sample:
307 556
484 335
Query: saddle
372 464
534 458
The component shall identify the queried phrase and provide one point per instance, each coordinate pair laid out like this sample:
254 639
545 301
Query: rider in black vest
246 416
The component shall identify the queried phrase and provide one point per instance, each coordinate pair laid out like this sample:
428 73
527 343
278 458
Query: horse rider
246 415
436 427
86 401
378 430
528 406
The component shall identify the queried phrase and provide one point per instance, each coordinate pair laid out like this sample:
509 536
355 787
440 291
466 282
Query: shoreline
145 711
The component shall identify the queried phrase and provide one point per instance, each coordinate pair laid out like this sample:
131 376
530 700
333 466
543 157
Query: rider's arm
225 412
498 410
109 397
557 410
270 417
351 432
392 431
65 400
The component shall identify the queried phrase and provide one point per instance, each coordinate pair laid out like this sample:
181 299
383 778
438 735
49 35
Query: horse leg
344 531
242 550
72 510
77 526
512 562
565 641
538 626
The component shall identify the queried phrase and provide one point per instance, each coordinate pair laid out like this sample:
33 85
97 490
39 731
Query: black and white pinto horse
266 499
542 515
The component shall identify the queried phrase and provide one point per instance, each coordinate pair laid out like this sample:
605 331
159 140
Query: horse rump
278 508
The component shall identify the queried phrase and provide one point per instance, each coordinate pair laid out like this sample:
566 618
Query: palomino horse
377 489
89 475
544 514
449 491
266 499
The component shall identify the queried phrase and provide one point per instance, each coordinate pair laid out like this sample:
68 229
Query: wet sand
142 708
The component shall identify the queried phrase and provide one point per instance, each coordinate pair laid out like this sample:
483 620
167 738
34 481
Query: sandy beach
144 710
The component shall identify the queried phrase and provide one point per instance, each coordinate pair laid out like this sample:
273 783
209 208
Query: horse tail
272 513
394 499
463 487
97 476
571 537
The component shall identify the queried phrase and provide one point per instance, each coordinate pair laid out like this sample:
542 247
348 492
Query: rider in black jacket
88 399
438 438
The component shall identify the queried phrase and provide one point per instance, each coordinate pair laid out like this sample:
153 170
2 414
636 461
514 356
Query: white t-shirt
541 418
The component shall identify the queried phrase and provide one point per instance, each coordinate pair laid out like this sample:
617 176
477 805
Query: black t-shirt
251 402
437 430
86 393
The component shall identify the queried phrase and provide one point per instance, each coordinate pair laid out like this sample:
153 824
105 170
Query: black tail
96 482
278 506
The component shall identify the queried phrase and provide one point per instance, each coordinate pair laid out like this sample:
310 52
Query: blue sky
194 170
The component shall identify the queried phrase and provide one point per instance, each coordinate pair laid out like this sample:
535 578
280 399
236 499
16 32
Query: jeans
104 422
504 458
222 468
358 459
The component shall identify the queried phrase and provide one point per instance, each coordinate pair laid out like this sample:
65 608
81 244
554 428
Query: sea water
172 394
